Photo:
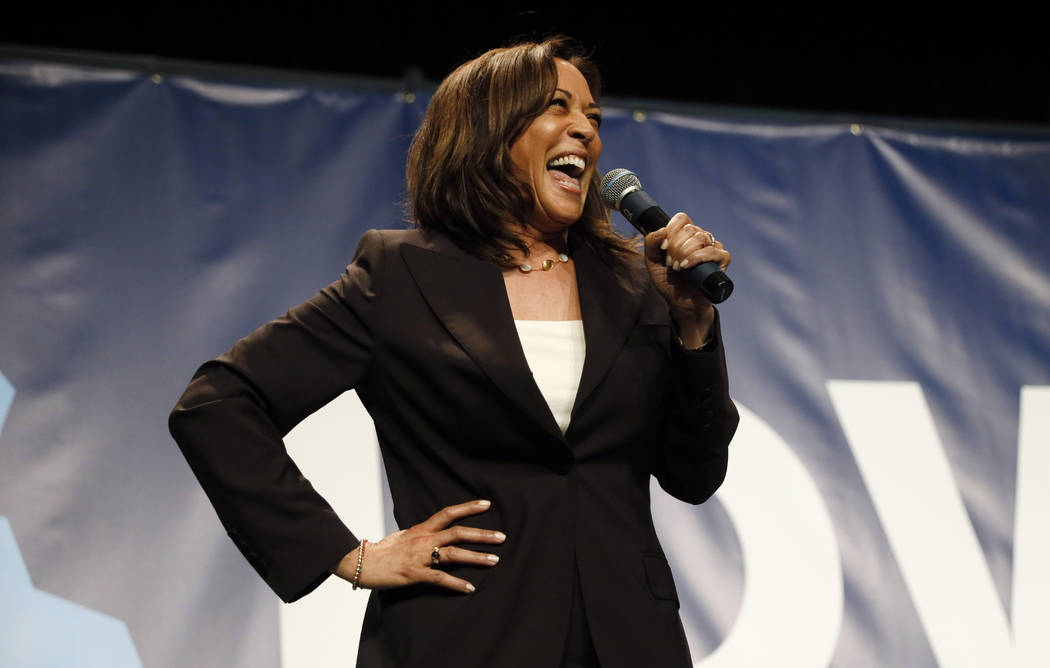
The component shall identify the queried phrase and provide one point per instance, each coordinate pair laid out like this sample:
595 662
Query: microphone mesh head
615 184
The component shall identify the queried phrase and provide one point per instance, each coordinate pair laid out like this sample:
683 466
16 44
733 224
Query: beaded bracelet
360 560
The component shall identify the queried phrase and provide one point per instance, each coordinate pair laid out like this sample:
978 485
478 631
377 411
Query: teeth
574 160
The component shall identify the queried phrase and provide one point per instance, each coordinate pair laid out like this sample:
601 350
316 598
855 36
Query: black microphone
621 190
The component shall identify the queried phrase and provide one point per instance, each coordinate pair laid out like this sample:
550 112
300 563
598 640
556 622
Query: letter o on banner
791 612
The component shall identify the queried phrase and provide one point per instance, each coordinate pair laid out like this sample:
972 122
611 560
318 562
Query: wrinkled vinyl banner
889 347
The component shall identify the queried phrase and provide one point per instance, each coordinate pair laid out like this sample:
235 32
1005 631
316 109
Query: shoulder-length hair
460 174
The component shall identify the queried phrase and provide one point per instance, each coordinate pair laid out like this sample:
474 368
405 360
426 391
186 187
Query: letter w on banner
910 482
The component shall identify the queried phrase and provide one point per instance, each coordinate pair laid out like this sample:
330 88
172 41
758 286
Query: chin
562 219
563 214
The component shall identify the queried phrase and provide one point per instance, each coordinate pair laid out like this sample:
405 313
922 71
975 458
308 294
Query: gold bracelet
360 561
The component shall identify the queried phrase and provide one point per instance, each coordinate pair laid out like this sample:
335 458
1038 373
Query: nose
582 129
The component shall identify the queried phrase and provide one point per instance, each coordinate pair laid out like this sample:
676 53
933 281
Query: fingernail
470 587
500 536
665 244
669 261
494 558
676 266
484 503
683 264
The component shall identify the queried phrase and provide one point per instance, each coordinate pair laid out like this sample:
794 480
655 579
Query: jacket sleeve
701 421
232 418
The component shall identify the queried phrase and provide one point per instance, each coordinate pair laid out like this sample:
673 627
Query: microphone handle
645 214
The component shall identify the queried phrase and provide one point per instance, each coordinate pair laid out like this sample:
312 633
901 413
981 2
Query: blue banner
888 344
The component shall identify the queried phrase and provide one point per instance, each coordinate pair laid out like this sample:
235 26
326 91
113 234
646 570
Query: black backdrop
880 60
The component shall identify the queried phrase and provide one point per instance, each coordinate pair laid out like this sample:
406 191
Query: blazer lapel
611 307
469 297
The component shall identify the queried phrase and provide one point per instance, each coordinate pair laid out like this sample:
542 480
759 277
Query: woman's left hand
678 246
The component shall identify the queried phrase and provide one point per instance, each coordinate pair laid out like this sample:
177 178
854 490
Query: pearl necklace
546 265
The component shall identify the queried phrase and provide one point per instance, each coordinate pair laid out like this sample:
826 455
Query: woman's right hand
406 557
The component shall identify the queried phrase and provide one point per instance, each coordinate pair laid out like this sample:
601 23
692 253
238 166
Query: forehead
572 80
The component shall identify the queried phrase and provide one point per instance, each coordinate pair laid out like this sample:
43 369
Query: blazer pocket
661 582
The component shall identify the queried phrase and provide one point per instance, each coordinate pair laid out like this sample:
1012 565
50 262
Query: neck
545 243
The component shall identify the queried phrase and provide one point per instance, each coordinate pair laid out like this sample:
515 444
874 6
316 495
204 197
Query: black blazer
424 332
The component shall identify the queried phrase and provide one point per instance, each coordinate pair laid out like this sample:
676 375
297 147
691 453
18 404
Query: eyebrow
570 96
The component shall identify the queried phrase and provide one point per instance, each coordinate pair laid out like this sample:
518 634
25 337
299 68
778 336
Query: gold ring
435 557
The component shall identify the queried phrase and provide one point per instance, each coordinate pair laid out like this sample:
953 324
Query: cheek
527 148
517 160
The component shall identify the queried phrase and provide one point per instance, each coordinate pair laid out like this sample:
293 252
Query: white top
554 350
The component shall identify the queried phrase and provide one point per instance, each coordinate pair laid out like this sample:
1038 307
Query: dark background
983 64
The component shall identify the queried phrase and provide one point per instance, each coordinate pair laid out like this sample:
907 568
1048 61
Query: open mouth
571 165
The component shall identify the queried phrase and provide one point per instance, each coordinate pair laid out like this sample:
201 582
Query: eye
596 119
558 102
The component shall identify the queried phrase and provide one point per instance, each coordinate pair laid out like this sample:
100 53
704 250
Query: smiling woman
527 370
558 152
463 180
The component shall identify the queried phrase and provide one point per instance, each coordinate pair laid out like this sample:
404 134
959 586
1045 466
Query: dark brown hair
460 175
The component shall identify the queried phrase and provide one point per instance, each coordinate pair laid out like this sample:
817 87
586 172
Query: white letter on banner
893 438
791 611
1031 585
336 449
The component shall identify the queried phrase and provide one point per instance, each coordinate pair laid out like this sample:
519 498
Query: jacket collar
469 297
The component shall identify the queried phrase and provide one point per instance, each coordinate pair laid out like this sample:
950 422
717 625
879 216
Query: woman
527 371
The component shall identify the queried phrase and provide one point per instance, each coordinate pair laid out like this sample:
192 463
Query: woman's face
558 152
